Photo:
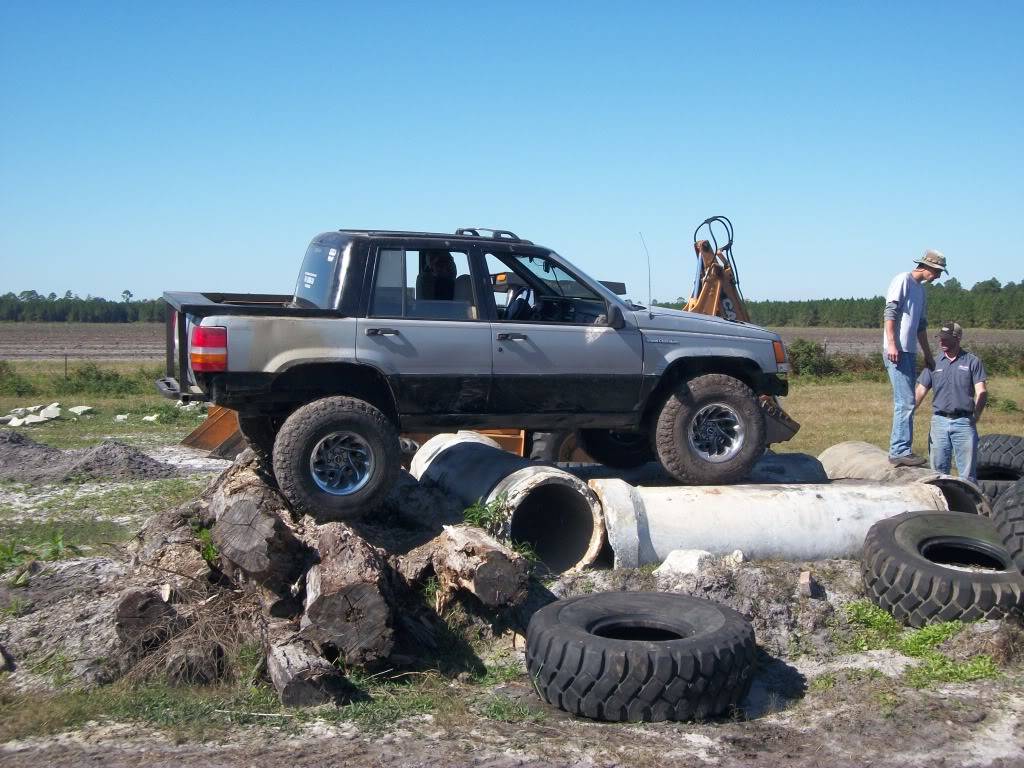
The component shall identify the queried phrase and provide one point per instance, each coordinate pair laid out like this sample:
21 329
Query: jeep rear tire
619 450
336 458
710 431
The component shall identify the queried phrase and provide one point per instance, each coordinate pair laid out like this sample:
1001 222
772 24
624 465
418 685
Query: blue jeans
954 437
902 375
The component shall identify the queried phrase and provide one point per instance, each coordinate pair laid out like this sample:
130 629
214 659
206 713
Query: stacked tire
926 567
640 656
1000 464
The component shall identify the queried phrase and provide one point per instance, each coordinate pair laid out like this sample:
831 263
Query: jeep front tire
336 458
710 431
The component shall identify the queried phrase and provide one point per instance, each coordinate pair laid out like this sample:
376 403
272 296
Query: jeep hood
666 319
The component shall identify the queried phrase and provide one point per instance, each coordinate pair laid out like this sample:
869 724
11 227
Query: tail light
209 349
780 352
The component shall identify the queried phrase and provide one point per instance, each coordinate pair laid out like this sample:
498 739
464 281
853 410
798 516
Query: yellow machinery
716 291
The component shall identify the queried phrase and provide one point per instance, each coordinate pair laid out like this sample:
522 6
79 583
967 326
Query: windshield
315 286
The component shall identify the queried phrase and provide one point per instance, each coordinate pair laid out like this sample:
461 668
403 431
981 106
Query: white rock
5 419
121 417
34 408
15 422
50 412
733 560
19 412
34 418
53 405
681 562
78 410
152 418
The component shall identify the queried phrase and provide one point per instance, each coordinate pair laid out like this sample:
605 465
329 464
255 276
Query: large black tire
258 431
357 458
1000 457
620 450
915 566
640 656
993 489
1008 518
553 446
716 412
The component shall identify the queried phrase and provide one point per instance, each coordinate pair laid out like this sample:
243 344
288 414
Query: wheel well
305 383
683 369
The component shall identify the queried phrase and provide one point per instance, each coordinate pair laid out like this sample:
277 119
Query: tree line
989 304
29 306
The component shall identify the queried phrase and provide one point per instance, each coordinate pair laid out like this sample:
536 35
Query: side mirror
615 317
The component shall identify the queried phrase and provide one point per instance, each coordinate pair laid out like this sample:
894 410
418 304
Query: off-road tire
901 574
258 431
553 446
994 489
1008 518
673 424
299 435
703 672
1000 457
619 450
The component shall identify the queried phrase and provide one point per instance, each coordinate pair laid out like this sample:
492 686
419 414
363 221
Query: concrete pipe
554 512
787 522
863 461
770 468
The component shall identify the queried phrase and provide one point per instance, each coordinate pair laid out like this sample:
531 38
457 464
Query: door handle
512 337
381 332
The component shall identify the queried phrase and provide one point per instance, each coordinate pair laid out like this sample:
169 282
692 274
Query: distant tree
126 296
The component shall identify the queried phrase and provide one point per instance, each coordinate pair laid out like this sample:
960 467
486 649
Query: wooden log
300 675
349 597
466 557
142 620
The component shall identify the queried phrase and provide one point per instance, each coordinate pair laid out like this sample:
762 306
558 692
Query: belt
955 414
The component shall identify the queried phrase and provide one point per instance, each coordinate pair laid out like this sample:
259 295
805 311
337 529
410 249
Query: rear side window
427 284
316 287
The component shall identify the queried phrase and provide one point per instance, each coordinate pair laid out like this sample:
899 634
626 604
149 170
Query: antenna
649 292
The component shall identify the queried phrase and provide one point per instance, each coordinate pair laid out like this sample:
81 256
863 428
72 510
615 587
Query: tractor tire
336 458
993 489
640 656
1000 457
619 450
1008 518
710 431
915 566
554 447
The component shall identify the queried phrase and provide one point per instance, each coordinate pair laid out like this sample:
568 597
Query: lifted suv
390 331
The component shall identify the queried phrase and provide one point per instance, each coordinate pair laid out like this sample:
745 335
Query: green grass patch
489 515
872 628
57 539
508 710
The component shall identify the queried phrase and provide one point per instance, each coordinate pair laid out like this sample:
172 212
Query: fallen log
349 597
465 557
300 675
143 620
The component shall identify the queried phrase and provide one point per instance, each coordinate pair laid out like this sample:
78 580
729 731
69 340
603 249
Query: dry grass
833 412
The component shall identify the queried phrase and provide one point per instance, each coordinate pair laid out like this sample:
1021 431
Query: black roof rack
466 232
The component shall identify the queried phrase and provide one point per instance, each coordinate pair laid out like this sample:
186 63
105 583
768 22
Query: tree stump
465 557
301 676
143 620
349 595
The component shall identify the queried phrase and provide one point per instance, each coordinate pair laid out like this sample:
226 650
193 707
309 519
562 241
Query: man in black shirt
959 399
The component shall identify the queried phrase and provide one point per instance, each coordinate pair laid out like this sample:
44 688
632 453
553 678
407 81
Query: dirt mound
25 460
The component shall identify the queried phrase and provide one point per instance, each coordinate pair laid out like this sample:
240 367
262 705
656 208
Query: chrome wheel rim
716 433
341 463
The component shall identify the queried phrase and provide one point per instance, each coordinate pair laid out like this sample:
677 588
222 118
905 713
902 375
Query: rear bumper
168 387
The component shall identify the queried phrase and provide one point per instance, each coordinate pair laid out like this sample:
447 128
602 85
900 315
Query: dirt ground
817 699
868 341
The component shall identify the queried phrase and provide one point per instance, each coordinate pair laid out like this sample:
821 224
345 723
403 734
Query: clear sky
199 146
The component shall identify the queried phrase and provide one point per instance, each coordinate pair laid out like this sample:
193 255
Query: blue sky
199 146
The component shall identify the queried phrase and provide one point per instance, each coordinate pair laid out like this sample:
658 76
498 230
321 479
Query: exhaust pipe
810 521
863 461
554 512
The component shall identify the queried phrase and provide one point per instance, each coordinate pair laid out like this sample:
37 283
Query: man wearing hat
906 326
960 394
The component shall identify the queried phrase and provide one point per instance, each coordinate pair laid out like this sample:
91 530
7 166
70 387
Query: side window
534 288
427 284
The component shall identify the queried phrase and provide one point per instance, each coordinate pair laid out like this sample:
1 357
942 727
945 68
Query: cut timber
465 557
348 597
143 620
301 677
